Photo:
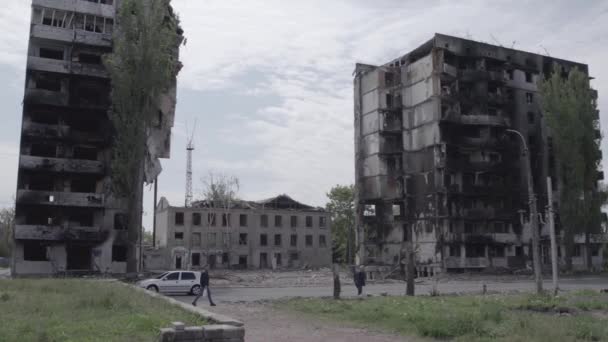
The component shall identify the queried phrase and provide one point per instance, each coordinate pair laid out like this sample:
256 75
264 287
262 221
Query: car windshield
162 275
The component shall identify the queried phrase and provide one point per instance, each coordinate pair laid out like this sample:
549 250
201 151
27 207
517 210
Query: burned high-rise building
432 156
66 216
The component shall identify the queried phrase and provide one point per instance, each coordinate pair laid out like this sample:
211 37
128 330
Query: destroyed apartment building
278 232
432 157
66 216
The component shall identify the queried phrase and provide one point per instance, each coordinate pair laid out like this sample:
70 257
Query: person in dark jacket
359 279
204 286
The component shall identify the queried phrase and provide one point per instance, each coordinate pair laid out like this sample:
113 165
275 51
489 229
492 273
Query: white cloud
308 51
302 54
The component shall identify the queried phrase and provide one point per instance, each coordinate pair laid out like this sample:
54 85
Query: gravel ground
263 323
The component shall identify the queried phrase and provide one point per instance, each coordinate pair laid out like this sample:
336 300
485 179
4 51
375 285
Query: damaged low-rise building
432 157
67 219
274 233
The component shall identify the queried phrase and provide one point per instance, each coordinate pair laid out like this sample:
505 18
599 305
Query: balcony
47 97
457 262
484 120
57 198
449 70
70 35
505 238
472 75
478 213
60 165
88 7
390 124
59 233
66 67
61 132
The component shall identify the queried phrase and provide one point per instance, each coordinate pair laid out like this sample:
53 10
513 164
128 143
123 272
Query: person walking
204 286
359 279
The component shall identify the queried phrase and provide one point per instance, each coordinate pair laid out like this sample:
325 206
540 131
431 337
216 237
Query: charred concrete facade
275 233
432 156
66 216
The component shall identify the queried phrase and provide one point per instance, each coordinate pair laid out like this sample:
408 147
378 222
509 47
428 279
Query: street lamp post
533 213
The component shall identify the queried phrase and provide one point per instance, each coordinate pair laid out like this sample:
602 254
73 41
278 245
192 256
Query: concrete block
167 335
222 331
178 326
193 333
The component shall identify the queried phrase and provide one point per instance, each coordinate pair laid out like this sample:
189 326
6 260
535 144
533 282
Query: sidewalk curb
208 315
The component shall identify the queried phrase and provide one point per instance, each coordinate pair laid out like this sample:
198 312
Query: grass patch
82 310
467 318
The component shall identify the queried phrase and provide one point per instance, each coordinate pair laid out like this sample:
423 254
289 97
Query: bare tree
220 191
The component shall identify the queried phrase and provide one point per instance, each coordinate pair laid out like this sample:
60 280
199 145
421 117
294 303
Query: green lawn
472 318
82 310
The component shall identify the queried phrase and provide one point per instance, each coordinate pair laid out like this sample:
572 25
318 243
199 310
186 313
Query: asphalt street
251 294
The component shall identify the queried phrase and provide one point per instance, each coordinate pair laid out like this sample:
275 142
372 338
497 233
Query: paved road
250 294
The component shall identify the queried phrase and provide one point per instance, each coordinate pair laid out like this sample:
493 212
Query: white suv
174 282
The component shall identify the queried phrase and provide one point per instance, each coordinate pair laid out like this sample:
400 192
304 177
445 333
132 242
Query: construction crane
189 149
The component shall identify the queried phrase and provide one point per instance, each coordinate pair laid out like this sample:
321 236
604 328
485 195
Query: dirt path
263 323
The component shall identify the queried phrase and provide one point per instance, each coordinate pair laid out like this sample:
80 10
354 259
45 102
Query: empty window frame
322 241
529 98
226 239
264 221
278 221
196 239
211 219
48 82
369 210
211 239
322 221
531 118
196 219
83 219
293 240
454 250
498 251
89 58
243 220
308 221
529 77
277 240
119 253
242 239
196 259
51 53
34 251
226 220
308 240
83 185
120 221
84 153
179 218
179 235
263 240
294 221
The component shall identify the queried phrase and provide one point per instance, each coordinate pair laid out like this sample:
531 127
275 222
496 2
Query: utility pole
552 234
533 213
154 213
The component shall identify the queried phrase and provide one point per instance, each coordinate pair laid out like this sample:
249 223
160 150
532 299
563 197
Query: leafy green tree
570 107
341 206
7 224
142 67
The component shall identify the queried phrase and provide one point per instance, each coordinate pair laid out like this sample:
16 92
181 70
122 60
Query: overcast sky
270 82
